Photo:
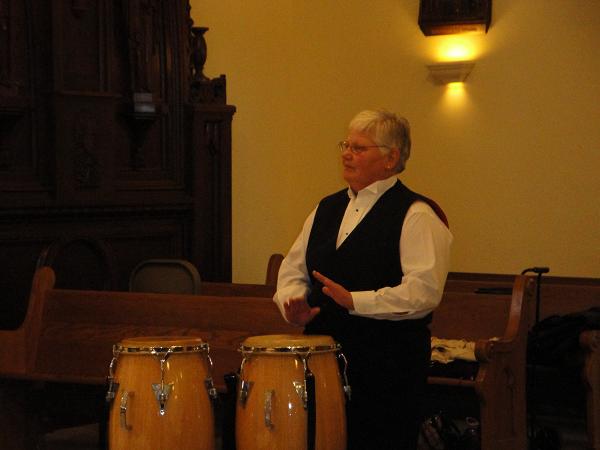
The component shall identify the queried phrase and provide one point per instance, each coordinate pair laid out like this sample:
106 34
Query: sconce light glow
456 49
455 89
455 94
456 86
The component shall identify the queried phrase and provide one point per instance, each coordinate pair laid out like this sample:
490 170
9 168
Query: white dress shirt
424 257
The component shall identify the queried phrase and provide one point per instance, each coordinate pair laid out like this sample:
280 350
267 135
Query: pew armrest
498 326
590 341
486 350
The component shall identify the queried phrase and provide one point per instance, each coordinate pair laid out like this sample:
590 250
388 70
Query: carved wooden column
211 145
143 110
15 77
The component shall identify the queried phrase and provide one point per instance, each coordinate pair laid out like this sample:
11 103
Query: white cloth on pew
447 350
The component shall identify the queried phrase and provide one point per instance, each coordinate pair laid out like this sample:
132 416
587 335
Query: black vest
368 259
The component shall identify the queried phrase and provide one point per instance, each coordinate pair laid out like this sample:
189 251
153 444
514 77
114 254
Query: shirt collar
376 188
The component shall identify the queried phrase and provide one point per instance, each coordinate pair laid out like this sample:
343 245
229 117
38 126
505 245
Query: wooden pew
498 326
500 382
237 290
67 337
248 290
559 296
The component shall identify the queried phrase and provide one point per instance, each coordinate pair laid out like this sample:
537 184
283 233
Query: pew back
237 289
68 334
465 315
498 326
558 295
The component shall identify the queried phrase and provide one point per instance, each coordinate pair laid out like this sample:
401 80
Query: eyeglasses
356 149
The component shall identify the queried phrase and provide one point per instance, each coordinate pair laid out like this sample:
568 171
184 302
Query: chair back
167 276
273 269
80 263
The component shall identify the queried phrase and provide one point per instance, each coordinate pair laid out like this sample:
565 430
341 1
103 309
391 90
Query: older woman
369 268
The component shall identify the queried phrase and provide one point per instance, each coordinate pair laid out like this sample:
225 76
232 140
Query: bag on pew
554 341
439 432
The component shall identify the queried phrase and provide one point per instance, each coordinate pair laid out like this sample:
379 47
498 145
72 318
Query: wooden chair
273 269
80 263
168 276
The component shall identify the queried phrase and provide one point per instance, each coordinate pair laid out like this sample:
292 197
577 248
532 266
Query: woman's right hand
299 312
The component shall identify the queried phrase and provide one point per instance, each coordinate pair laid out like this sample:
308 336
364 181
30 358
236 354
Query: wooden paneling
109 129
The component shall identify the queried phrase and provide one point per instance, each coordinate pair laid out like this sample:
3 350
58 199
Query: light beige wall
514 160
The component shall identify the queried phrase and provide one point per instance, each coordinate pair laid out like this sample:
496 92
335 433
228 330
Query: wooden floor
86 438
80 438
572 432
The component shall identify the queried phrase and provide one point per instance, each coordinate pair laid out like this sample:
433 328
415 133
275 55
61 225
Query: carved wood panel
109 128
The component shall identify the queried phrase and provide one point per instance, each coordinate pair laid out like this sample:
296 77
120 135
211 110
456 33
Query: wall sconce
454 16
444 73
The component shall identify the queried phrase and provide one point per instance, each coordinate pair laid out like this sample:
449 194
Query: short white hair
387 129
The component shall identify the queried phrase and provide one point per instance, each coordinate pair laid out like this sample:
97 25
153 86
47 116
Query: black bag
554 341
439 432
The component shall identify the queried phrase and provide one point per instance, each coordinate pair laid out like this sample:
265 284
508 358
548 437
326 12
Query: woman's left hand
336 291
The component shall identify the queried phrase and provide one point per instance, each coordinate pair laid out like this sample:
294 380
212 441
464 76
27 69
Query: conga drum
160 390
290 394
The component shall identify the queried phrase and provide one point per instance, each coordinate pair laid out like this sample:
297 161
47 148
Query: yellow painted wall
514 160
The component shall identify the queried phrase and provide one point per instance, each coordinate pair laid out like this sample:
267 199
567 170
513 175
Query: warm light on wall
454 58
456 86
455 95
452 25
455 90
456 49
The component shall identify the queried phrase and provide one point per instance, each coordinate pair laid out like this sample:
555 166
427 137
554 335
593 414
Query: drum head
161 344
289 343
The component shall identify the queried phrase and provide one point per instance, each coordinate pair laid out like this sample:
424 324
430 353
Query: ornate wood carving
203 89
5 28
109 128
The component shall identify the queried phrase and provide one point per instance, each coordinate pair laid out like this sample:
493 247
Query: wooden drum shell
188 421
274 372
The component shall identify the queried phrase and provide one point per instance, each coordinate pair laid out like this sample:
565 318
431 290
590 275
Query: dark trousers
387 371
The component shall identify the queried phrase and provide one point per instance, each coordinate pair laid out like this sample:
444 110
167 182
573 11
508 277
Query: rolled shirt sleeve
425 257
293 280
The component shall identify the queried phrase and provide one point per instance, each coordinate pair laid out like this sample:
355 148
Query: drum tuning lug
347 388
210 388
301 391
269 409
112 390
245 387
123 409
162 391
348 391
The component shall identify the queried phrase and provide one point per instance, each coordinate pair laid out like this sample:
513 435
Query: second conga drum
290 394
160 390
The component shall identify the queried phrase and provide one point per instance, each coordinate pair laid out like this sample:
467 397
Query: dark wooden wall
109 129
